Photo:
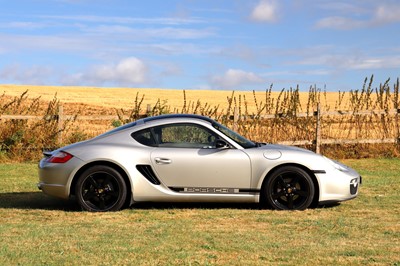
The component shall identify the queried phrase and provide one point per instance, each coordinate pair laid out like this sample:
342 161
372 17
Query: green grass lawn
38 230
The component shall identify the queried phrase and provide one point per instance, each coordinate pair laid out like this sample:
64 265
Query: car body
191 158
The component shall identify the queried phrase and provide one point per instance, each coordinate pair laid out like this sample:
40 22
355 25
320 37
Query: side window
145 137
177 136
185 136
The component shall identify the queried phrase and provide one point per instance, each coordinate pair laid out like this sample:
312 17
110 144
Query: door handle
162 160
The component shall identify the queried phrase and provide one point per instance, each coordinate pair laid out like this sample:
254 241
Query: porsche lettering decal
214 190
210 190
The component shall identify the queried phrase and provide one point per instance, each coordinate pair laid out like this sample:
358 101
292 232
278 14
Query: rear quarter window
144 137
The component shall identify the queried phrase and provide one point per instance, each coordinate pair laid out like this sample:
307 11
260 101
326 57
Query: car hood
276 151
280 147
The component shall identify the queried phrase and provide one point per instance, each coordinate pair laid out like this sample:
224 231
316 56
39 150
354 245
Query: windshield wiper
259 144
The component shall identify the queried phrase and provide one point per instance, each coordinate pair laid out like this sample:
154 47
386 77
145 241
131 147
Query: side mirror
221 144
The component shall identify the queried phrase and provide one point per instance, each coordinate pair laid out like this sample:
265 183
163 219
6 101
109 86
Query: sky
200 44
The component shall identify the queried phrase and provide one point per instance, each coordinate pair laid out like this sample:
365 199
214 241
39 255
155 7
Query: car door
187 157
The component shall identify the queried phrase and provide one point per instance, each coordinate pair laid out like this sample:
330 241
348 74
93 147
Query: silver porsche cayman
191 158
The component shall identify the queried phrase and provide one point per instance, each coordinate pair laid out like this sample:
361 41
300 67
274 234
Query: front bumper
354 185
336 185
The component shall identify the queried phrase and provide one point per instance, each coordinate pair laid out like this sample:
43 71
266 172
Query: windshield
242 141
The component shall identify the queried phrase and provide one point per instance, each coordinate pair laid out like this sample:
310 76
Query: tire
289 188
100 189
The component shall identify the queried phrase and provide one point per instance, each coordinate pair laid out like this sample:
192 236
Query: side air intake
148 173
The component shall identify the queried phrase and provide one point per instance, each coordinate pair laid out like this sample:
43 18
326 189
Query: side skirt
213 190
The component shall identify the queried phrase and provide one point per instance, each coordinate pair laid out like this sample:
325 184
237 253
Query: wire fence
317 125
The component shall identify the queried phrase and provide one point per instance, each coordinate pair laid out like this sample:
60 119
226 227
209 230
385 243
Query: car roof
156 118
169 116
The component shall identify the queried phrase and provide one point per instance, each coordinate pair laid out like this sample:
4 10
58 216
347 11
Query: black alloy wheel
101 188
289 188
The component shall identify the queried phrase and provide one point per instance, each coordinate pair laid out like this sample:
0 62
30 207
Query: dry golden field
111 98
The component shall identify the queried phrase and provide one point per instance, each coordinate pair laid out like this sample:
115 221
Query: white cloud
24 25
346 60
34 43
202 87
235 78
129 71
126 72
16 73
170 69
238 51
156 33
340 23
179 48
265 11
385 14
130 20
344 7
378 16
374 63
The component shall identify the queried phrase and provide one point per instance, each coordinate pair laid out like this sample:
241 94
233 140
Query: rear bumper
55 178
55 190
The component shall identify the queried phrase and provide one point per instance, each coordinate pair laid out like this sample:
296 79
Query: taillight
59 157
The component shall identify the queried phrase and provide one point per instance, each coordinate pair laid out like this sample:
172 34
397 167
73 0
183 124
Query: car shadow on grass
35 200
194 205
210 205
40 201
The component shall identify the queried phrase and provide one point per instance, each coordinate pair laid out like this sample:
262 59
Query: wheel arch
109 164
306 169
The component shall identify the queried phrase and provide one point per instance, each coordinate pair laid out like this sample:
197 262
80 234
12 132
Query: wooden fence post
397 108
398 125
318 130
235 119
60 118
148 110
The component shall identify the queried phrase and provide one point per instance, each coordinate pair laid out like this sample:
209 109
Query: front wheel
101 188
289 188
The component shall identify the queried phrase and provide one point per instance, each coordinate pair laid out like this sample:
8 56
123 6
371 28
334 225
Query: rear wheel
289 188
101 188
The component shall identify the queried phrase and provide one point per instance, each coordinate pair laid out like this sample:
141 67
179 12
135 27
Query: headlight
337 165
